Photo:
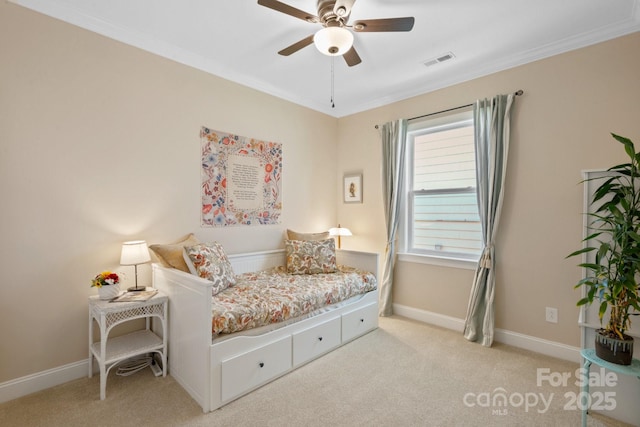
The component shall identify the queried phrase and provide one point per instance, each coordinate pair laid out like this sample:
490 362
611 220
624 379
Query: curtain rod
516 93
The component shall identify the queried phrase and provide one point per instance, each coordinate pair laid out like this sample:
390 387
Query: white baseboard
515 339
539 345
23 386
429 317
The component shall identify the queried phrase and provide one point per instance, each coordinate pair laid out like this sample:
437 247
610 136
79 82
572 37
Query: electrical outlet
551 315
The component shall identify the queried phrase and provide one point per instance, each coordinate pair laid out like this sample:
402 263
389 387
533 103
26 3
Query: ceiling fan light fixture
333 41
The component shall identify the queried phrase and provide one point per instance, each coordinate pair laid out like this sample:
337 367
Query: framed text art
241 180
352 188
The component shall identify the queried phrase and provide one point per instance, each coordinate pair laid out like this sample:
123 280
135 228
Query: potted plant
611 278
107 284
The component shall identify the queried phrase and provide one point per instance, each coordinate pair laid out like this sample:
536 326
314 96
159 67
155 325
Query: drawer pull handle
319 338
261 364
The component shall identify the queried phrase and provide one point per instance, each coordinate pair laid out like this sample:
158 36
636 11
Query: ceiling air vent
442 58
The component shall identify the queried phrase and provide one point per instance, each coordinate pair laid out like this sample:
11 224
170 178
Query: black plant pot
614 350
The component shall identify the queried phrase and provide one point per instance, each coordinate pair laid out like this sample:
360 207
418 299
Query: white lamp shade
333 41
340 231
134 253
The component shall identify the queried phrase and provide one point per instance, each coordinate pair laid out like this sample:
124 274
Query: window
442 214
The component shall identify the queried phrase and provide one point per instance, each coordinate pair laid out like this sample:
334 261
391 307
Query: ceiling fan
335 39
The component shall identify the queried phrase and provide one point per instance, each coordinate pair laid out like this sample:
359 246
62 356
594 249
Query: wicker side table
110 351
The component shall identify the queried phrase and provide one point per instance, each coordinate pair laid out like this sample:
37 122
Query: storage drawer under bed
249 370
359 322
319 339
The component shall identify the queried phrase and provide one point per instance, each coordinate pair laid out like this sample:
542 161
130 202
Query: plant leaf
603 309
590 266
581 251
592 236
622 139
583 301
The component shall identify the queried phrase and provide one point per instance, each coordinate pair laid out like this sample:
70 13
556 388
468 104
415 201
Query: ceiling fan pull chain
333 105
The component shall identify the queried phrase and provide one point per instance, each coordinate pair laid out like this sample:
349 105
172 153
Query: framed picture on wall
353 188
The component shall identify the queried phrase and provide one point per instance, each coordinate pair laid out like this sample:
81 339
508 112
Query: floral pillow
209 261
311 257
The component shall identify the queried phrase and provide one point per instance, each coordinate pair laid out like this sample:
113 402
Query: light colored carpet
405 373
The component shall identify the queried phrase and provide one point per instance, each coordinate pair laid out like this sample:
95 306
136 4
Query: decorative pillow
311 257
171 255
210 262
294 235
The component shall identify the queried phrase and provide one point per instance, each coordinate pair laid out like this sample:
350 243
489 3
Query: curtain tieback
485 259
389 244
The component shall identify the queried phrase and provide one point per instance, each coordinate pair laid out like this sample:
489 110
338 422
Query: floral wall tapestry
241 180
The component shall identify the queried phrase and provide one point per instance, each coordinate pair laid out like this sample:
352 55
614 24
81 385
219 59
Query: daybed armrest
180 275
192 294
367 261
189 328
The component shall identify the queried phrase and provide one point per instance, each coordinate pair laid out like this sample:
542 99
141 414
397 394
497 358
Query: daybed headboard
256 261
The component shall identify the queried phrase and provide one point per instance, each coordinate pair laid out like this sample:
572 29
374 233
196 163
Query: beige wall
559 127
99 144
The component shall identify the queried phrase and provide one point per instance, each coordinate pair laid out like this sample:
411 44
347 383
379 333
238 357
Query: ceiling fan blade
342 8
390 24
351 57
297 46
289 10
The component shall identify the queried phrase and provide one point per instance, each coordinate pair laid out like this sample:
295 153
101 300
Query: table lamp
339 231
134 253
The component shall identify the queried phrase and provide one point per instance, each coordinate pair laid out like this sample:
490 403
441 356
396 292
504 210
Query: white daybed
215 372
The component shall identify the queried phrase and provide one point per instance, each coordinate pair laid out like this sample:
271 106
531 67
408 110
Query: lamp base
136 289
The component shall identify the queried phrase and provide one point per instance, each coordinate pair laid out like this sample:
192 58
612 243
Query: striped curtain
393 136
492 125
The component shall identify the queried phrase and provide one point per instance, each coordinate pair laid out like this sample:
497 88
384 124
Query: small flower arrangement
105 278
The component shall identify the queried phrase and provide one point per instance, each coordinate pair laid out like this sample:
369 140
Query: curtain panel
492 128
393 135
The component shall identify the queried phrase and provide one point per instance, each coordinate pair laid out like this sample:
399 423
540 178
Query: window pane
442 212
447 223
444 159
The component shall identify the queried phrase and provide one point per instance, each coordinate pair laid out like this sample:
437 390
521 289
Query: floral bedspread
272 296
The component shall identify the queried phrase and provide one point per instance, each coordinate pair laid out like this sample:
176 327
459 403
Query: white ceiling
239 40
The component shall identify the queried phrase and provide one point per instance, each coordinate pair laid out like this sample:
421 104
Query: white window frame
406 252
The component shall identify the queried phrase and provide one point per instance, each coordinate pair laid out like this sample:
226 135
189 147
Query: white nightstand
110 351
